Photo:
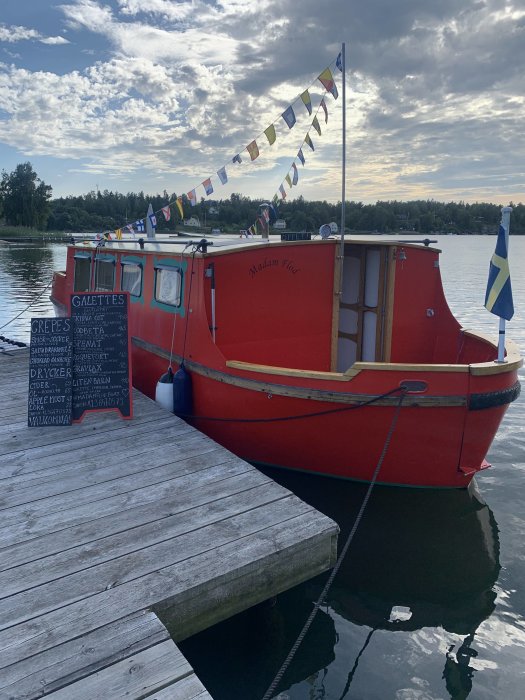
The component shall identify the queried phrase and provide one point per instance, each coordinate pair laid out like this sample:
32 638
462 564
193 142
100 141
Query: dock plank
105 523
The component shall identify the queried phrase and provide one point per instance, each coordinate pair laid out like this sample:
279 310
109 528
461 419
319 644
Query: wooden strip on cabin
101 521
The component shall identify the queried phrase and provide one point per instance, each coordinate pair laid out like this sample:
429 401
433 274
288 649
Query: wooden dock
105 522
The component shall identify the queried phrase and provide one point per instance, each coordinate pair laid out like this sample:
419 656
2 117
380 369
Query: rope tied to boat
9 341
27 307
278 677
316 414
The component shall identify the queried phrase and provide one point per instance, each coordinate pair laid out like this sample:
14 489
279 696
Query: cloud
54 40
435 91
14 34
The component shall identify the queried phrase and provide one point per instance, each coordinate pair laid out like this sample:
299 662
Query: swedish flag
498 298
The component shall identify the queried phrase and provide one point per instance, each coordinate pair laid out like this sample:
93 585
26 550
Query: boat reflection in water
419 558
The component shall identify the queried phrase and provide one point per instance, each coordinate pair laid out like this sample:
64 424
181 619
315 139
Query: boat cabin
283 304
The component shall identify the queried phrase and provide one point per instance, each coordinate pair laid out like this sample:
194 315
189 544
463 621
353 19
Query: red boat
315 355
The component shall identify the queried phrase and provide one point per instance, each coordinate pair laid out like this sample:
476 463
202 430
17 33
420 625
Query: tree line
27 201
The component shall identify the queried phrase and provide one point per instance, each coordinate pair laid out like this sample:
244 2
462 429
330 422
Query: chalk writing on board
50 372
101 363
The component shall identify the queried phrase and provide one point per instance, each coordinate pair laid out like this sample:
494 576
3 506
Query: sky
159 95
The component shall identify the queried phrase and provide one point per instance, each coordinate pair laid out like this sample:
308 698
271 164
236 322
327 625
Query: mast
343 173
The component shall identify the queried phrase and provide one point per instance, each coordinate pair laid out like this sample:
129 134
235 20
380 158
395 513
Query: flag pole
505 222
343 173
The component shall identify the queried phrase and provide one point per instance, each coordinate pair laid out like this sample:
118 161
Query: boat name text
285 264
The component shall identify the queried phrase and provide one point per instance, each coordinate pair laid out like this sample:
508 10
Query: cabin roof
223 244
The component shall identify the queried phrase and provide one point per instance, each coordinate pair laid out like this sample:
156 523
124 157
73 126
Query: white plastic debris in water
400 614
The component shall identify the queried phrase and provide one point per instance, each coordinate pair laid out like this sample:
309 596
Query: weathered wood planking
132 658
101 522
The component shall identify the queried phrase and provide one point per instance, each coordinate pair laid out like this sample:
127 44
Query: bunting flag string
307 100
289 117
253 150
208 187
223 177
326 78
323 105
295 178
270 134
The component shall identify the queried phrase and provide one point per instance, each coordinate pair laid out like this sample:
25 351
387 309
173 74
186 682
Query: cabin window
131 280
168 285
104 274
82 272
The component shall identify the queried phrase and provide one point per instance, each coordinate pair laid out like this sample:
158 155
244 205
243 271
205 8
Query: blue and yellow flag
498 298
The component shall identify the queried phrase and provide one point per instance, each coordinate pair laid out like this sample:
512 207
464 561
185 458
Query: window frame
139 262
169 264
105 259
81 255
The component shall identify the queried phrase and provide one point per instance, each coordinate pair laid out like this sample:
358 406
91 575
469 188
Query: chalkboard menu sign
50 372
101 370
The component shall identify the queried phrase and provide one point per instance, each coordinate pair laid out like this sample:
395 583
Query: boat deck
105 523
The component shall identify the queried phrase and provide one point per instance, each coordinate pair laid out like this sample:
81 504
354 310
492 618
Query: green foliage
25 198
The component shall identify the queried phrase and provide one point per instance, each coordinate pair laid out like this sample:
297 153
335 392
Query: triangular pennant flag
323 105
253 150
252 230
295 174
308 140
339 62
289 116
316 125
118 234
282 191
208 187
178 202
327 79
300 155
237 159
130 228
167 212
192 197
270 134
305 97
222 175
288 180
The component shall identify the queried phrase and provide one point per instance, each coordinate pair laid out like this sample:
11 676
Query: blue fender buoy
164 390
182 392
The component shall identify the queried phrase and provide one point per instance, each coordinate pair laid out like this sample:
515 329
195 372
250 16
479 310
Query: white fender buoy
164 391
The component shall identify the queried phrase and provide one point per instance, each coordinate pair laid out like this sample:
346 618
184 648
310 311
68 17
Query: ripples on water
454 559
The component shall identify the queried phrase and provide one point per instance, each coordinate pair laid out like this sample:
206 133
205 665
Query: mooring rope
269 693
329 411
27 307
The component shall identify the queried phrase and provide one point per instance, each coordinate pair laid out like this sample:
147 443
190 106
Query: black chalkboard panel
101 362
50 372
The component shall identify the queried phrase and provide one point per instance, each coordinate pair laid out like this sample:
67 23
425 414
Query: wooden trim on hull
301 392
